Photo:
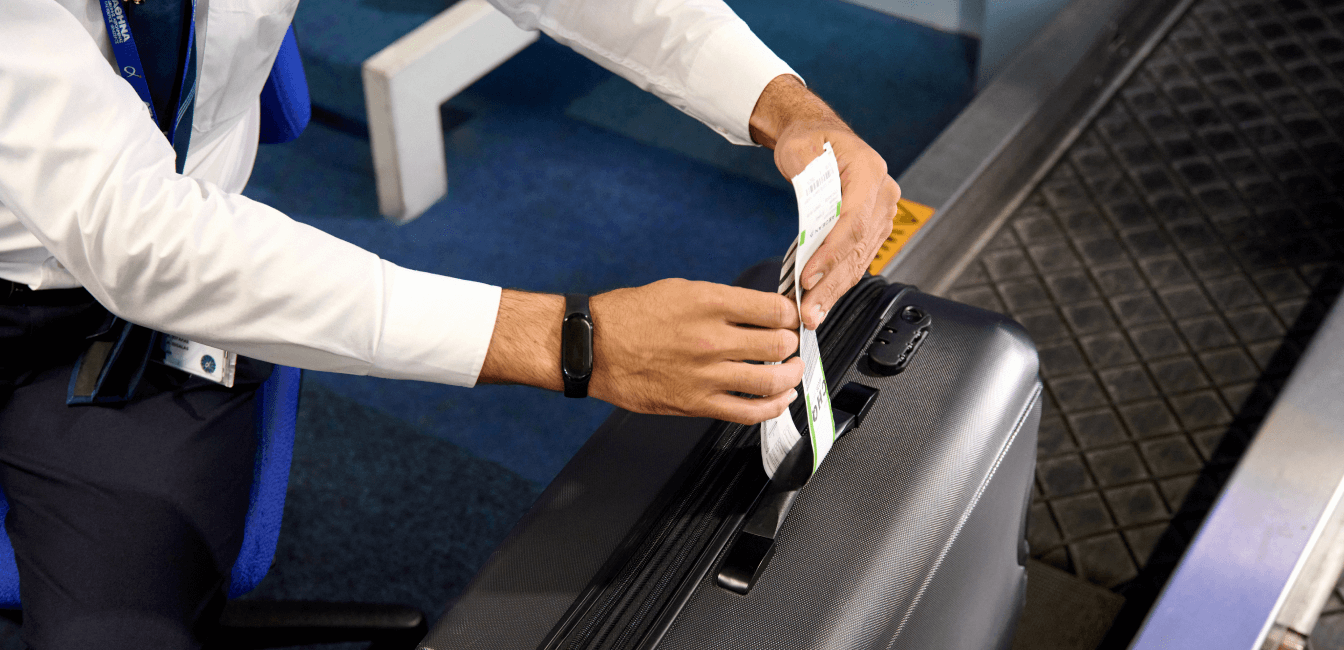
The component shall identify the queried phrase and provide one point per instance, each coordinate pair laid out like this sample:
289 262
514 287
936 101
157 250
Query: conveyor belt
1171 266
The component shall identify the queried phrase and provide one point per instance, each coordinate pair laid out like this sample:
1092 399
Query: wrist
784 103
526 342
610 366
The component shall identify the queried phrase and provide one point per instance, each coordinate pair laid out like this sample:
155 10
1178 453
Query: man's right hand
672 347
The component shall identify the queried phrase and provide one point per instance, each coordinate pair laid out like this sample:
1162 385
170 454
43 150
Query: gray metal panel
1227 589
1305 601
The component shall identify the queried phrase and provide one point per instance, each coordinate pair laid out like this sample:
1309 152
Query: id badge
198 359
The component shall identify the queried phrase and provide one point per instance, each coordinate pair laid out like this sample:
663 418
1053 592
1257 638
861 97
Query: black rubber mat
1171 267
1329 631
1063 612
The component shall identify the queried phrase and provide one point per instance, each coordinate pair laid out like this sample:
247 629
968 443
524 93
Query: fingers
868 206
748 411
747 307
754 379
892 190
849 259
819 301
860 220
844 257
761 345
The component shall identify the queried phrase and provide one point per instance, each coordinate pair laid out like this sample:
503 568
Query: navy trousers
126 520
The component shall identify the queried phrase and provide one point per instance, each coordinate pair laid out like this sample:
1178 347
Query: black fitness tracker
576 345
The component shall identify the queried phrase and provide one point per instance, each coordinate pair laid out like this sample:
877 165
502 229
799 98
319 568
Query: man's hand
672 347
794 122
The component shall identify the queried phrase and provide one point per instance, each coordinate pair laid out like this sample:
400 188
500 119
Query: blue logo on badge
208 363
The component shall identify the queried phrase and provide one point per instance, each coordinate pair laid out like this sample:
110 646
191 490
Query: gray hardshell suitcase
665 532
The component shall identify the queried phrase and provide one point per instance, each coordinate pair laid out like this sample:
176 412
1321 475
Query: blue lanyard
128 64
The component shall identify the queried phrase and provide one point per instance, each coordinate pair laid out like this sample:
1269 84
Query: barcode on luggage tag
825 177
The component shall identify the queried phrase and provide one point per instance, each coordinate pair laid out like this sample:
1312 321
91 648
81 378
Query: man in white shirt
94 219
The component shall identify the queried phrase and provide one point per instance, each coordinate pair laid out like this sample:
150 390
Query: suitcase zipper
676 536
848 313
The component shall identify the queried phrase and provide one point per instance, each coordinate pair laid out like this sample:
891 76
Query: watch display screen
578 356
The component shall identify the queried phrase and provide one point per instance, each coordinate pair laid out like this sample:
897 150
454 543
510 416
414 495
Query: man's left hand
794 122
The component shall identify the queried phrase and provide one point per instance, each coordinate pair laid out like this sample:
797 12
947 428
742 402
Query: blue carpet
379 512
335 36
896 83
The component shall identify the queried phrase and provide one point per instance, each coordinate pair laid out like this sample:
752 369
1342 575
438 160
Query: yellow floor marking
910 217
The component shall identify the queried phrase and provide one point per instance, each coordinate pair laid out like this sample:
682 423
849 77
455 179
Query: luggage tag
817 188
197 358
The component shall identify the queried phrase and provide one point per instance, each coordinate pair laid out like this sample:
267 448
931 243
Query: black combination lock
898 340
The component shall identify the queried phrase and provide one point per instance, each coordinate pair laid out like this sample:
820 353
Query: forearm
786 102
525 347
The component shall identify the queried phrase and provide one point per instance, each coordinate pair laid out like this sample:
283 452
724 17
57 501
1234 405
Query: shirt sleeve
85 170
697 55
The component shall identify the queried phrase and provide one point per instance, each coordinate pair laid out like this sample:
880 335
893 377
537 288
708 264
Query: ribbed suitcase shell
911 534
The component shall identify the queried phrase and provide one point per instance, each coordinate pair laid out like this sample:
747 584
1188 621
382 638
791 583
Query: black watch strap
576 345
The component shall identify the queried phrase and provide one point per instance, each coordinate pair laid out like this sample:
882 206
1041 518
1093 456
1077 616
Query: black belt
17 293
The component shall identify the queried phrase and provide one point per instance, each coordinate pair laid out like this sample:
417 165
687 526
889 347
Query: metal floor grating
1171 266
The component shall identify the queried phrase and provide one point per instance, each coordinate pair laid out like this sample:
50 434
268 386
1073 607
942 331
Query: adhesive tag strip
779 435
818 191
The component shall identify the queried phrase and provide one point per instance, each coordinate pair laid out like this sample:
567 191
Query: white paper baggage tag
818 190
198 359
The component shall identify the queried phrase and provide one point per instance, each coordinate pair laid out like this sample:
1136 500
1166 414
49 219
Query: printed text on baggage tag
817 188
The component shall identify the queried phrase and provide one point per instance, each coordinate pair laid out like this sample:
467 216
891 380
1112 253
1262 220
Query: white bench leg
406 82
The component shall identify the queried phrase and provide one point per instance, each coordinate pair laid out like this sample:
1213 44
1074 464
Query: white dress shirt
89 196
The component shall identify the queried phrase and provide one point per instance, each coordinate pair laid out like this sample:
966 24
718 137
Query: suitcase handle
755 544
